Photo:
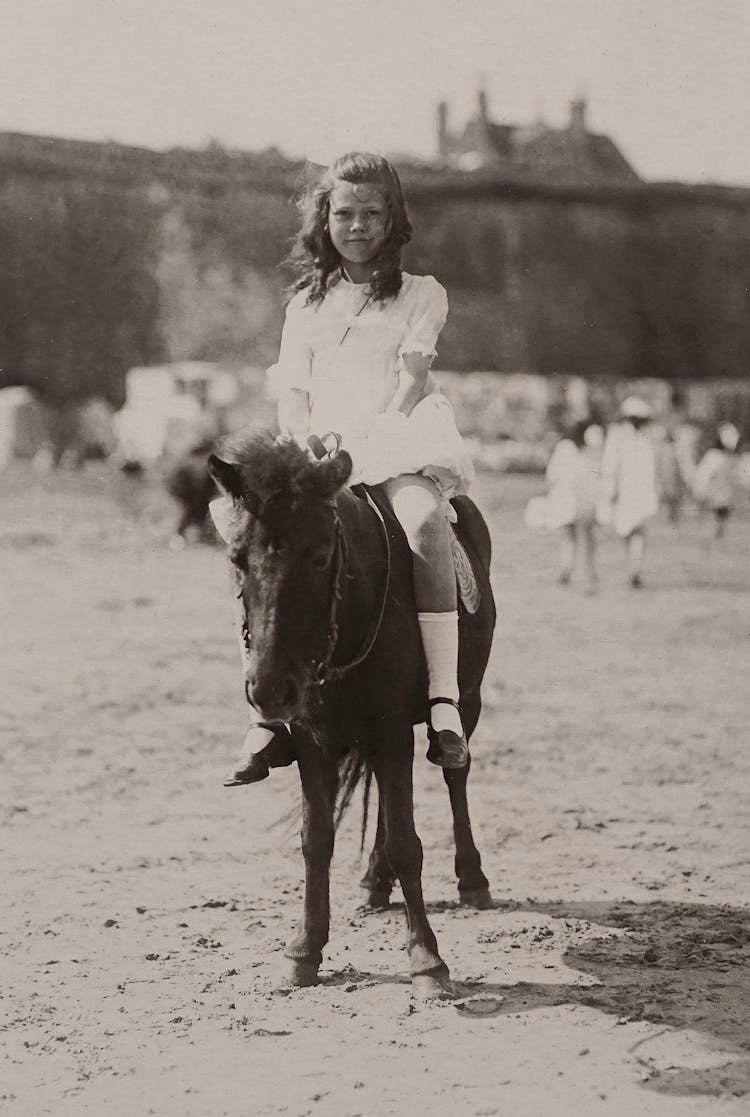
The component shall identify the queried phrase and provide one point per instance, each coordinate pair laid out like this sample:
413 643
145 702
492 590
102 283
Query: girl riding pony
357 344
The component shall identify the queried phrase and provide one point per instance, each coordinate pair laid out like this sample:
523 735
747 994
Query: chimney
483 118
578 118
442 129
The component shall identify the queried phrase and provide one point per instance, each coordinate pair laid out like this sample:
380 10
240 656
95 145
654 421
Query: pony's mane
269 468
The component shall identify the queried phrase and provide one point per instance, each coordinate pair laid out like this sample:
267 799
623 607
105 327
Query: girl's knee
413 497
418 508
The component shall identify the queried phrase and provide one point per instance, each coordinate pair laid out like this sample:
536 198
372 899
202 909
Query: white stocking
440 642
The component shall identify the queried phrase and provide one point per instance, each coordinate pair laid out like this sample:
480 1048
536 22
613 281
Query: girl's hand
327 446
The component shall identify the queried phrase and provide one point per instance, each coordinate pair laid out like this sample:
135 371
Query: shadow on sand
683 966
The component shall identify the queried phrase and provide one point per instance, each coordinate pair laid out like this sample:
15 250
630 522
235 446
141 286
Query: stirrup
446 748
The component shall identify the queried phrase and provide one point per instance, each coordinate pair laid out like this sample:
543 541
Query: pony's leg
473 886
378 880
393 771
305 952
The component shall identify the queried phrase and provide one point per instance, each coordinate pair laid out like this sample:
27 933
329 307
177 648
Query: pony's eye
318 560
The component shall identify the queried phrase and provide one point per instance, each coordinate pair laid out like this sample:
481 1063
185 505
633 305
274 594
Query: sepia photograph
375 558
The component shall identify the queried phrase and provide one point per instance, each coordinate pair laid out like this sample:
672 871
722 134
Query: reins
325 671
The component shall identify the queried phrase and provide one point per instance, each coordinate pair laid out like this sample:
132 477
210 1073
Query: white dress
629 491
345 352
573 478
712 482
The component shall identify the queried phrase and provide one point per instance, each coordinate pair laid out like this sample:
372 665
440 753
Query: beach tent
22 427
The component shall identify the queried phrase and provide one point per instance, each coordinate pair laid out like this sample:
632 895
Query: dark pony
313 254
333 648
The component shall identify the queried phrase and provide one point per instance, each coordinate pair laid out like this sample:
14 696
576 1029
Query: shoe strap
447 701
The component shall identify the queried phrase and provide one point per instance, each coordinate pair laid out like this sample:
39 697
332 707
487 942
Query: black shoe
253 772
447 749
278 753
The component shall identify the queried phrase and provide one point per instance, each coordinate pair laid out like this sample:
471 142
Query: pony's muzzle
277 699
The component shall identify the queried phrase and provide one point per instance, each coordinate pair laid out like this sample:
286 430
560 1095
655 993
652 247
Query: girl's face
358 224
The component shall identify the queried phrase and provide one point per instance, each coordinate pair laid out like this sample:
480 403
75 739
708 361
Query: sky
668 80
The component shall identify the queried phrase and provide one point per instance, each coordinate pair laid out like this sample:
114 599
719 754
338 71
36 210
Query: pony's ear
226 476
334 473
229 480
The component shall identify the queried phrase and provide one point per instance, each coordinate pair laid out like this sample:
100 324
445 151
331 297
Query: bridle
325 671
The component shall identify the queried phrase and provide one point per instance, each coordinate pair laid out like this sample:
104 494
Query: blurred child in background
192 487
715 478
629 496
573 479
669 474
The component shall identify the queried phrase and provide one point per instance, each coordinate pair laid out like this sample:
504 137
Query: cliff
113 256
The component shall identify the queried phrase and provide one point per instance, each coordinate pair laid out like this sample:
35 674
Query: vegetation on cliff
112 257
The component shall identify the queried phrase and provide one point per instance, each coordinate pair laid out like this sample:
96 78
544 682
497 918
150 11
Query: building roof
571 155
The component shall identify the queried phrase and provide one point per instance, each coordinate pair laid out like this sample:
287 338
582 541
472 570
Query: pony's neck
362 588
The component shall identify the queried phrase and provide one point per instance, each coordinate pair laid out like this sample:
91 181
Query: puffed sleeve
292 370
426 318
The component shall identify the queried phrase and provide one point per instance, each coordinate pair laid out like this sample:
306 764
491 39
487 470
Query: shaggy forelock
268 467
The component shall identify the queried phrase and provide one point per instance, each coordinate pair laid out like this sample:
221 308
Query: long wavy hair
313 256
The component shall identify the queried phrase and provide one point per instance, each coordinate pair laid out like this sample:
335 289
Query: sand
146 906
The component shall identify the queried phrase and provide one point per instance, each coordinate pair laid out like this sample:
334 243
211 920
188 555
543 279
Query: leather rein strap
326 671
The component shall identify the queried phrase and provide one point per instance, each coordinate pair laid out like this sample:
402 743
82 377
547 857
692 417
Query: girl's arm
294 414
292 372
426 320
411 382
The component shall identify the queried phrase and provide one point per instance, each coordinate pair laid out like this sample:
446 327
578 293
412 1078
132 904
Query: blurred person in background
686 434
715 478
573 479
671 484
191 485
628 494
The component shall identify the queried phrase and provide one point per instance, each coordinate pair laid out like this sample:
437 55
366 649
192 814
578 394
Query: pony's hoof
432 987
299 975
376 899
478 898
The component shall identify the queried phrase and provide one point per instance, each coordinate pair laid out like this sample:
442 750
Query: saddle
466 582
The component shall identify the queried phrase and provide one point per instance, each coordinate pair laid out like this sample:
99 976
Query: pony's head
285 541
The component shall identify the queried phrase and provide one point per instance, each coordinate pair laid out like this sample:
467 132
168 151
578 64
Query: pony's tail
353 770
